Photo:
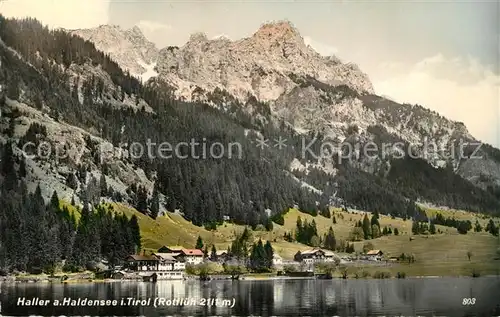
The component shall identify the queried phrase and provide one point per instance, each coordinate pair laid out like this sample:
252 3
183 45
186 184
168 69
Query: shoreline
249 277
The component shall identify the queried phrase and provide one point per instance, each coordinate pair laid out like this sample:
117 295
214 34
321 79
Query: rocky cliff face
258 66
311 92
129 48
270 85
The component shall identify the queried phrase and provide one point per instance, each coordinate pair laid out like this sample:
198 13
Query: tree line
307 233
257 256
248 187
37 236
204 191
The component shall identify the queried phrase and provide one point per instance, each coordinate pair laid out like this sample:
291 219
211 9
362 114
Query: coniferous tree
142 199
240 245
213 253
269 225
155 203
374 220
464 226
375 231
478 227
299 230
366 228
135 233
415 228
199 243
330 243
269 252
13 90
492 228
259 258
8 168
54 201
432 228
103 186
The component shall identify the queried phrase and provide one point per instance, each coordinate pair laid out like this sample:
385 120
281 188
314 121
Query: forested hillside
66 78
36 235
203 189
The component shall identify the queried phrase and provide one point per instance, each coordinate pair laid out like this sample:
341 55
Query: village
178 263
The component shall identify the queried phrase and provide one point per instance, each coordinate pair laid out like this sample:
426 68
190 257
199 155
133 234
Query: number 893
468 301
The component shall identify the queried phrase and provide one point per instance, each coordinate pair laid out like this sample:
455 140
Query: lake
408 297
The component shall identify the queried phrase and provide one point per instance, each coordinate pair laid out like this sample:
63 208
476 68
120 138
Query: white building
277 260
140 263
315 255
170 262
310 256
331 256
374 255
165 267
191 256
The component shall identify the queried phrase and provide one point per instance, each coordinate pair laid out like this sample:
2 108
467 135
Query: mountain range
94 89
275 66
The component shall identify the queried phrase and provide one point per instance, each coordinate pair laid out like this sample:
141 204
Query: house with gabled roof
277 260
170 261
170 249
192 256
310 256
374 255
138 262
314 255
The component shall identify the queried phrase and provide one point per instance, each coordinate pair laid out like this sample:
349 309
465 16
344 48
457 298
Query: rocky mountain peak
278 32
135 30
128 47
197 37
259 65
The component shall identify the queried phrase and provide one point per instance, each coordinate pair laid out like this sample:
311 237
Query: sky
444 55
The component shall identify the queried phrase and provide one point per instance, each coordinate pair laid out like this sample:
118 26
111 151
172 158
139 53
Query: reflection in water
439 296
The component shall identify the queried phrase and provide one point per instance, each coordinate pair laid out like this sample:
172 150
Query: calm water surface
410 297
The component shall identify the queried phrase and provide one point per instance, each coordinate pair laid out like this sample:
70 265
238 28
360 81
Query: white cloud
152 26
321 48
459 88
69 14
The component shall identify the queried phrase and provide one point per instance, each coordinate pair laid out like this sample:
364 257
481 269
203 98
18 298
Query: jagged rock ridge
339 107
259 65
129 48
274 65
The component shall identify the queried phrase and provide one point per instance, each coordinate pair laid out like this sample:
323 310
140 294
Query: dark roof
167 257
312 251
171 247
138 257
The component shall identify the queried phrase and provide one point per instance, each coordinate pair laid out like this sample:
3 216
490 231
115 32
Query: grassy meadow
445 253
